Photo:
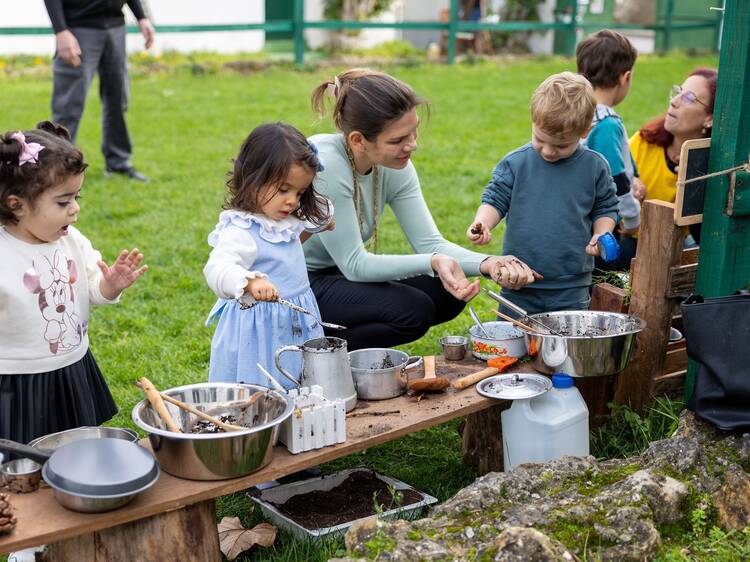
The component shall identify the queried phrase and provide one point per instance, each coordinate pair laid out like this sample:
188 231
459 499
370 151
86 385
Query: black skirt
37 404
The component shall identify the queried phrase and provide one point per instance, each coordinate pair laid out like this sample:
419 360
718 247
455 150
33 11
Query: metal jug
325 362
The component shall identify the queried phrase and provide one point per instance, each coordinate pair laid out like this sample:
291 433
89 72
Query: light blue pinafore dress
246 337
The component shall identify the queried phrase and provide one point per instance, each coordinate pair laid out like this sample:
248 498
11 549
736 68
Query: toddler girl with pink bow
49 380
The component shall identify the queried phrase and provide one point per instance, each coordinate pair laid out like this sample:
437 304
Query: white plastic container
546 427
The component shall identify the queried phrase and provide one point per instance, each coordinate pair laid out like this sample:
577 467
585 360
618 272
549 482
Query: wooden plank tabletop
42 520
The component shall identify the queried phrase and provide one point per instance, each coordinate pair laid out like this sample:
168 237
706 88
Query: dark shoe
129 172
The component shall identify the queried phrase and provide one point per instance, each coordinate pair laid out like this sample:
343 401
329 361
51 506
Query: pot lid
514 386
104 467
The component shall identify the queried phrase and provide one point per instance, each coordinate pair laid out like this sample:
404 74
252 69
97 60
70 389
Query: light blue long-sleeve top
400 190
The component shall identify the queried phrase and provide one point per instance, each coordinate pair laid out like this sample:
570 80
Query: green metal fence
452 27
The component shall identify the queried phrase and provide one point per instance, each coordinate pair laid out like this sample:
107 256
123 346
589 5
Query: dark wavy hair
654 132
58 161
265 158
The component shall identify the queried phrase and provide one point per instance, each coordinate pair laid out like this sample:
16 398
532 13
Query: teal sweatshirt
400 190
549 210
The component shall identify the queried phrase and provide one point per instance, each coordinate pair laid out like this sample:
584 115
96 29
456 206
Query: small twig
366 413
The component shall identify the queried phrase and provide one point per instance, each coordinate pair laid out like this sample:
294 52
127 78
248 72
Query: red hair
654 132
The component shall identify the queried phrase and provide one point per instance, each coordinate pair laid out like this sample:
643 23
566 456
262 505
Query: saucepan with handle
93 475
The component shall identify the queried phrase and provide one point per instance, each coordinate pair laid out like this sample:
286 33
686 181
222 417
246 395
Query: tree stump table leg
187 534
483 440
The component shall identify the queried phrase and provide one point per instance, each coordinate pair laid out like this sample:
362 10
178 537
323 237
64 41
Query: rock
732 501
576 508
519 544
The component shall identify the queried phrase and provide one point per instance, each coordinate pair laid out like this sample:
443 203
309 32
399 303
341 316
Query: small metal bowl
21 476
454 347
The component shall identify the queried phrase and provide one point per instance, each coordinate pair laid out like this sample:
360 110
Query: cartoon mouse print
53 282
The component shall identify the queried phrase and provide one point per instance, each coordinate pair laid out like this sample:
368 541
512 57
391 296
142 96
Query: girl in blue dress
257 257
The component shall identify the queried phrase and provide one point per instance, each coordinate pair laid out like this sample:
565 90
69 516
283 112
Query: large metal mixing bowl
216 456
594 344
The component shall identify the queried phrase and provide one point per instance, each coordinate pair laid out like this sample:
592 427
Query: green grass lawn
186 128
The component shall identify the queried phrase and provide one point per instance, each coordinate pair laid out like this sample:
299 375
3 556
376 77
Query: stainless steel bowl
215 456
379 373
594 343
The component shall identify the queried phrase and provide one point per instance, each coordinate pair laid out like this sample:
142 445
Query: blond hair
563 105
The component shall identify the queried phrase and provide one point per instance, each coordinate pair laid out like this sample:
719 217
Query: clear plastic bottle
547 426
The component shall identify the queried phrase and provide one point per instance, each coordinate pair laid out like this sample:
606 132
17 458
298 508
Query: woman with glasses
656 147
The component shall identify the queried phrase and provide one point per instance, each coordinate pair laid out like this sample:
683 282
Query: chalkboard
688 207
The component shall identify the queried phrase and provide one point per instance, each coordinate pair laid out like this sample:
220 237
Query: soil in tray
354 498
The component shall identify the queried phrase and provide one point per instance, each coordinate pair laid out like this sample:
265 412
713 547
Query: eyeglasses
686 96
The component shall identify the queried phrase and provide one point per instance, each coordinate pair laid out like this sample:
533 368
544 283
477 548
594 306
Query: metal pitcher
325 362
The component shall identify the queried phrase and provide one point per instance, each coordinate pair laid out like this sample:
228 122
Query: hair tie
314 149
29 151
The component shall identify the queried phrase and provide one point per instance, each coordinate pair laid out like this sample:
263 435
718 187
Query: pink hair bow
29 151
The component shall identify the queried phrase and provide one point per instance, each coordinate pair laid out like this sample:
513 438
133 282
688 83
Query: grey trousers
103 51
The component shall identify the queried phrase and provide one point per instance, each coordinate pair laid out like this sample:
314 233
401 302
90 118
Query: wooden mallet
430 383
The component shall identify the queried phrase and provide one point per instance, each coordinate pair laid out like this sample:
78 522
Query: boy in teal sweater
556 196
606 59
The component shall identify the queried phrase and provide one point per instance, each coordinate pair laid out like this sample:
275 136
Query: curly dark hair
58 160
265 158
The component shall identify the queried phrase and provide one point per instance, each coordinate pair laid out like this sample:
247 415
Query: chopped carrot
501 363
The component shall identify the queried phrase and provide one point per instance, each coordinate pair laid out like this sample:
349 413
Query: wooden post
483 440
191 534
659 247
724 264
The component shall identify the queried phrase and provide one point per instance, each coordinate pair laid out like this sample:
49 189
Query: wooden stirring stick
205 416
517 323
154 397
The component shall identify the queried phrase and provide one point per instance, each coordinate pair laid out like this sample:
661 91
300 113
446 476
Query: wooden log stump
483 440
191 534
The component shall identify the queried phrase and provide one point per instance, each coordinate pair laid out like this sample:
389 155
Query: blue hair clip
314 149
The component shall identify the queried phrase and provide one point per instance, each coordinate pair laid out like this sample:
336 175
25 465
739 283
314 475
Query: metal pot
93 475
215 456
505 341
21 475
593 344
380 373
324 363
54 440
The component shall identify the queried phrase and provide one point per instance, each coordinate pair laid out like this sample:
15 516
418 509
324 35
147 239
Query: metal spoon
245 306
478 322
518 310
305 311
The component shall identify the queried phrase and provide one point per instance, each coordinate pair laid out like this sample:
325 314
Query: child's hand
331 224
591 248
639 189
121 274
261 289
479 234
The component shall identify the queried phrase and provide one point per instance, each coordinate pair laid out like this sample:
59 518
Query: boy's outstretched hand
479 234
591 248
121 274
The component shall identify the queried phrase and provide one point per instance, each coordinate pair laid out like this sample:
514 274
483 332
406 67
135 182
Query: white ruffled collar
270 230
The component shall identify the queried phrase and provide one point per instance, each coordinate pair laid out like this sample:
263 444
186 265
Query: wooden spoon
155 398
204 416
474 378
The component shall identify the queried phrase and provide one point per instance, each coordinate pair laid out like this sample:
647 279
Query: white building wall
165 12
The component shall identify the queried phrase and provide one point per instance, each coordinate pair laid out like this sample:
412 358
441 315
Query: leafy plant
629 433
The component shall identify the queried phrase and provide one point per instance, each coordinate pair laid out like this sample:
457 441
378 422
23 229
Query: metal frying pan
93 475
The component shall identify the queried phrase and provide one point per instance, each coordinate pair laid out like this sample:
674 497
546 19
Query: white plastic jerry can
547 426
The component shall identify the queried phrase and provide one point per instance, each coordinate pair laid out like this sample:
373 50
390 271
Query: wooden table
176 519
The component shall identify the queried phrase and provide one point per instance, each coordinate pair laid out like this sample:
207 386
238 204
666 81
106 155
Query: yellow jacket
651 163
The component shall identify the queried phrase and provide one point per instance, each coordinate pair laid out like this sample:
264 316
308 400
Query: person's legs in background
114 91
70 84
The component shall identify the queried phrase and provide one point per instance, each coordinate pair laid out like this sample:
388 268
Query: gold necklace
359 200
